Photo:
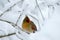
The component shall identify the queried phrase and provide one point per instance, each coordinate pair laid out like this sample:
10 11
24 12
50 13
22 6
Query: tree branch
7 35
40 10
9 8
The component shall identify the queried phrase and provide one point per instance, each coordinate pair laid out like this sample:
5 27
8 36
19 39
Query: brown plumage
28 26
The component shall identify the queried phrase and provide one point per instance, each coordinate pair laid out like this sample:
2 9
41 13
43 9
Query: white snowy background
44 13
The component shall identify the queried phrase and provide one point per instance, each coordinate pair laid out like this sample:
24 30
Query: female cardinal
28 26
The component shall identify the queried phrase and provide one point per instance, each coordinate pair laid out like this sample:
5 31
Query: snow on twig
40 10
7 35
9 8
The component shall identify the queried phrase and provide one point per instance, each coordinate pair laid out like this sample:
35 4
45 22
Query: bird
28 26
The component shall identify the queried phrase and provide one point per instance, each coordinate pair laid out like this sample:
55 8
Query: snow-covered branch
39 10
10 7
7 35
